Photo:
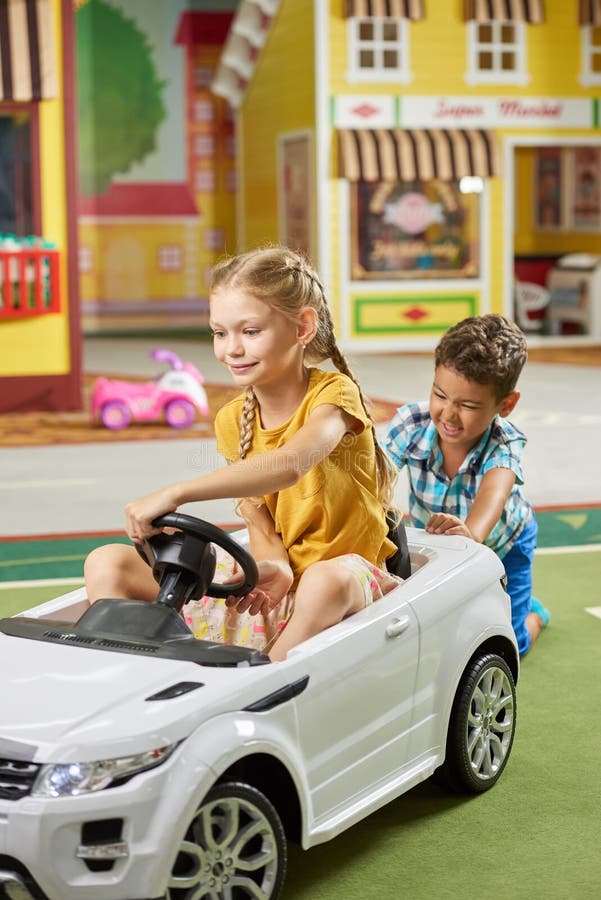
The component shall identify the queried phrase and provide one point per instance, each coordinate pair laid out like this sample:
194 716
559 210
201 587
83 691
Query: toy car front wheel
180 413
482 726
234 847
115 415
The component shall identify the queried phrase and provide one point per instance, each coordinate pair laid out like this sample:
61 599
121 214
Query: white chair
531 300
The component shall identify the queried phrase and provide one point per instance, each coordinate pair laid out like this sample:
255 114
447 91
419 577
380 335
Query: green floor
536 834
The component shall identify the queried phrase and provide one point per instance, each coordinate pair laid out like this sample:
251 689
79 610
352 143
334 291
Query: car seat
400 563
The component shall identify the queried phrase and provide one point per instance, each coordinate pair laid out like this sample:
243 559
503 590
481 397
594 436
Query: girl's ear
307 325
508 404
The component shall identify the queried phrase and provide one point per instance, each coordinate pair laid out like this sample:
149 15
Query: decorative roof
196 27
242 48
140 199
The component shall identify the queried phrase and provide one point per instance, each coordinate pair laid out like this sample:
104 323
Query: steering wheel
187 555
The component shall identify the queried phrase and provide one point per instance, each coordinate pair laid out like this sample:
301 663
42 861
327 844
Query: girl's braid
247 421
386 472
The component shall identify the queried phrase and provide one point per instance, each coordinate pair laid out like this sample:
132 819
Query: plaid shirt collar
425 446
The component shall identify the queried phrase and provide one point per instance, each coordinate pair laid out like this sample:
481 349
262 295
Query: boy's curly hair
488 349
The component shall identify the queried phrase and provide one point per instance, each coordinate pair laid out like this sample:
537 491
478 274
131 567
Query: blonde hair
287 282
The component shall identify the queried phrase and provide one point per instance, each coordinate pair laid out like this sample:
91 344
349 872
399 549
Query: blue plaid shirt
412 441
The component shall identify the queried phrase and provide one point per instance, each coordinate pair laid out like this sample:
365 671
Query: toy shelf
29 283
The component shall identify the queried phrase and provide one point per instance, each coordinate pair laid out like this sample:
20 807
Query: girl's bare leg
327 592
117 572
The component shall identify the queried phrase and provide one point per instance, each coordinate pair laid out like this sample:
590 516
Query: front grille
16 778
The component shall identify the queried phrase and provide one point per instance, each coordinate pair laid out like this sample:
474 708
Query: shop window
203 76
415 230
378 49
170 258
214 239
591 55
496 53
204 146
567 189
16 175
204 111
204 181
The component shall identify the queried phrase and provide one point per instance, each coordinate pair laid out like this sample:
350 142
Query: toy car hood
61 703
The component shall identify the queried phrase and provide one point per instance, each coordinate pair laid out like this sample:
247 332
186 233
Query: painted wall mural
156 161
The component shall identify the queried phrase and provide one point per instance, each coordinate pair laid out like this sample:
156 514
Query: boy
464 457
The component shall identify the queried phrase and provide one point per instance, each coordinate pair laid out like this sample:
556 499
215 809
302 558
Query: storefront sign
465 112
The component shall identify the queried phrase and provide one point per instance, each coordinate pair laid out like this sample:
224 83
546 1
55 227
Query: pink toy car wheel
115 415
180 413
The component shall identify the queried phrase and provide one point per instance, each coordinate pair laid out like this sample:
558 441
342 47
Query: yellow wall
125 261
279 99
438 55
40 346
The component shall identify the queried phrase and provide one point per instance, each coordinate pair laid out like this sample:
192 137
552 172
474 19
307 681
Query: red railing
29 283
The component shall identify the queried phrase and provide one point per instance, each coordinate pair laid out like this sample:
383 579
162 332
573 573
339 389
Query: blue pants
518 568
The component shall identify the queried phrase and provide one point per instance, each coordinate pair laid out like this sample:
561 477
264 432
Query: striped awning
380 9
531 11
27 64
416 154
589 12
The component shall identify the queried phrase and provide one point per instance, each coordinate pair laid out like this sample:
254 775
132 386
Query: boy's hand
444 523
275 580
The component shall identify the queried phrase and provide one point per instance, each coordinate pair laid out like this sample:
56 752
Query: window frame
589 77
475 75
170 258
355 73
32 110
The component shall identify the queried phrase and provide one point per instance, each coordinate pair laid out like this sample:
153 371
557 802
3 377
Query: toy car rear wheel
180 413
235 846
115 415
482 726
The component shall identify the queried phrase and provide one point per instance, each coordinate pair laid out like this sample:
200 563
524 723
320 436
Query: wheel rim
115 415
229 851
490 723
180 414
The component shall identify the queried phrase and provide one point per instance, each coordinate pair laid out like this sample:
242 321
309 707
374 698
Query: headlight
71 779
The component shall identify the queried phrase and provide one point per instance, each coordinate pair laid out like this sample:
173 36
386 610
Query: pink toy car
177 394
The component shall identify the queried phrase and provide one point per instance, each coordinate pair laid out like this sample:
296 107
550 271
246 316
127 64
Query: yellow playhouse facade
434 158
40 346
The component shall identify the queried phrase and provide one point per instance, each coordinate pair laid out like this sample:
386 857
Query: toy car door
354 720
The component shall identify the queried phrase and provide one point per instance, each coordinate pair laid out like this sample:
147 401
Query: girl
312 483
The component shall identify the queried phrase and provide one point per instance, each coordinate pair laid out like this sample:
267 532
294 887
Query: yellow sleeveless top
333 509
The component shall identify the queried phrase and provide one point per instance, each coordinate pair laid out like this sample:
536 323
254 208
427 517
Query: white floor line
42 582
578 548
594 611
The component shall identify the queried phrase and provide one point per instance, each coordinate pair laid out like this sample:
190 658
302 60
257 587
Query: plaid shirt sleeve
508 443
402 429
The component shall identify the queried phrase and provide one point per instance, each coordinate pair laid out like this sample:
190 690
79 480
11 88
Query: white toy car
138 763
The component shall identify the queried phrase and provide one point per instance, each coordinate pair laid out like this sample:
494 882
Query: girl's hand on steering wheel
139 514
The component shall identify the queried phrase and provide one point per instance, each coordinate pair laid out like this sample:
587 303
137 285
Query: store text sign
463 112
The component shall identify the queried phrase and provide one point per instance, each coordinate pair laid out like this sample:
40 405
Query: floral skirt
211 620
